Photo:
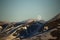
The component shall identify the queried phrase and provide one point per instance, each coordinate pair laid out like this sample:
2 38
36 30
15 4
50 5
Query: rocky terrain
53 34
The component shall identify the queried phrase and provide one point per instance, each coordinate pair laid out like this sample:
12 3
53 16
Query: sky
19 10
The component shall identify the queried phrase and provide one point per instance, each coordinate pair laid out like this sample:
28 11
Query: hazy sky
19 10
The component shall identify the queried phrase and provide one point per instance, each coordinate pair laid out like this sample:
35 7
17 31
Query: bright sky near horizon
19 10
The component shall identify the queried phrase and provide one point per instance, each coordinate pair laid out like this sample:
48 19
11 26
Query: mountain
55 18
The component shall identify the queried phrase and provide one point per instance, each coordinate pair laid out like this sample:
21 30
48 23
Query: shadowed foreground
53 27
